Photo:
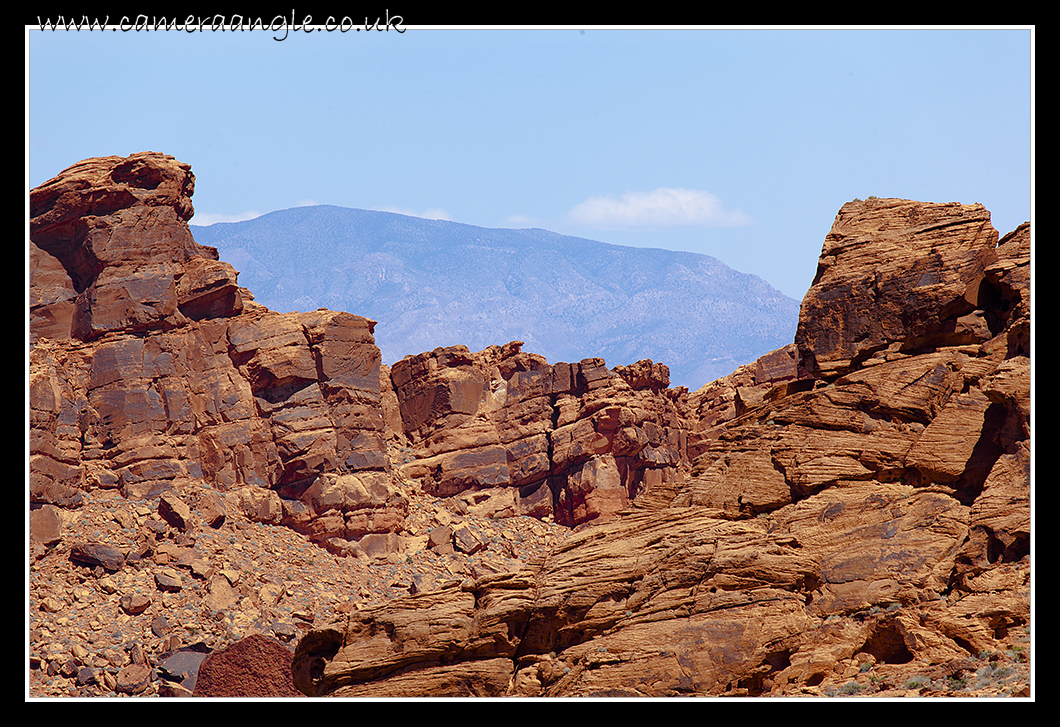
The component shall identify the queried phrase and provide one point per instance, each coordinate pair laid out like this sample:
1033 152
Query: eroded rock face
149 371
857 510
118 228
896 272
577 441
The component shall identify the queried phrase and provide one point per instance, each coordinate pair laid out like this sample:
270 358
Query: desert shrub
917 681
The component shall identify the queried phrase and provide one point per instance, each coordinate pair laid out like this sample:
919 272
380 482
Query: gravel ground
83 638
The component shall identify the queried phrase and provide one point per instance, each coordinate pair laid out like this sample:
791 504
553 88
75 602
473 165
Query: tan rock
893 270
45 525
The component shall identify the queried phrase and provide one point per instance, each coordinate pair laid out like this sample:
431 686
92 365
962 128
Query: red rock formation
150 373
859 498
574 440
896 272
851 521
118 227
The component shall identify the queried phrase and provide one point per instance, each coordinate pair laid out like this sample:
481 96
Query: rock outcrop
152 371
854 518
847 513
515 435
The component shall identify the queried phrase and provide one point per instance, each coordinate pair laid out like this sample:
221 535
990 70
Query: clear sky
741 144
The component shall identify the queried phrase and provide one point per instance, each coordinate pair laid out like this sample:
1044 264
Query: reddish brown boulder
257 666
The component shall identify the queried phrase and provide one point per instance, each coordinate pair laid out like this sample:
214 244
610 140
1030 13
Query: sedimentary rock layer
520 436
151 370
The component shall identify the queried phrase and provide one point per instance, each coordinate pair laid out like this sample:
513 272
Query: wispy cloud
520 221
663 207
435 213
210 219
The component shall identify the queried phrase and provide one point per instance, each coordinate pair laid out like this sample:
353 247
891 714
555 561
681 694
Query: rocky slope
848 515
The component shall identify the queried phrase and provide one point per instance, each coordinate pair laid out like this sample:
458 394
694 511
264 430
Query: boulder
895 272
257 666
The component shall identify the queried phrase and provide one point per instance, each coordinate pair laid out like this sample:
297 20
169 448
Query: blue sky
741 144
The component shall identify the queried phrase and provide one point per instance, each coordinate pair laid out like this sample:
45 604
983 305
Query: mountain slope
435 283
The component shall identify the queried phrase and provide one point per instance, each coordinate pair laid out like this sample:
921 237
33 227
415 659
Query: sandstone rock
257 666
134 603
174 511
220 596
52 296
833 502
45 525
893 271
98 554
168 579
501 418
133 679
218 392
212 509
857 500
119 228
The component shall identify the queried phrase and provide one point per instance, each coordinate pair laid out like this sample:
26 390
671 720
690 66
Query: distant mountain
433 283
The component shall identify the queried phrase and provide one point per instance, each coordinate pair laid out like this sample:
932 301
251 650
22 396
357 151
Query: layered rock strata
152 371
856 515
515 435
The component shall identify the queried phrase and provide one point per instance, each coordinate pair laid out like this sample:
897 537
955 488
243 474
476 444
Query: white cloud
520 221
435 213
663 207
203 220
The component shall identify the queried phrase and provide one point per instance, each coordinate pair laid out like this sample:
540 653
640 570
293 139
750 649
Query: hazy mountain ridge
436 283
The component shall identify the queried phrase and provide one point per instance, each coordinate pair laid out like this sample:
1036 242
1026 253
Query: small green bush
918 681
955 683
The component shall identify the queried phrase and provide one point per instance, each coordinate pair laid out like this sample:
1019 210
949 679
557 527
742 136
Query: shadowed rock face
865 503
